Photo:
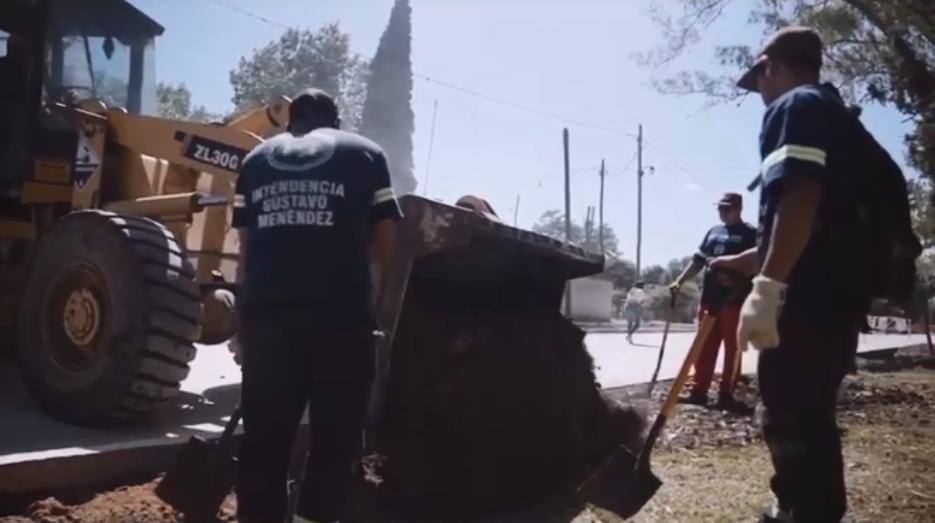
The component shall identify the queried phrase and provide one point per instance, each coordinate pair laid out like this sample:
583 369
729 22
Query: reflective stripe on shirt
797 152
383 195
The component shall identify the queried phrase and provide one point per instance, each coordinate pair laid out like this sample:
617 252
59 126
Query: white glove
759 316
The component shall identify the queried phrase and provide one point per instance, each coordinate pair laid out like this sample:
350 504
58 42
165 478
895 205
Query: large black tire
108 320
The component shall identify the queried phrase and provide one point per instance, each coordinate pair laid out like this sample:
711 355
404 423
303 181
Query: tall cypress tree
387 115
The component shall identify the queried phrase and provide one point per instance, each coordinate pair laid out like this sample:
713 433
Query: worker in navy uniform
732 236
806 306
312 206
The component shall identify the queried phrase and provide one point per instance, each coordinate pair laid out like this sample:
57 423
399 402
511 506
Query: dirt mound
491 410
126 504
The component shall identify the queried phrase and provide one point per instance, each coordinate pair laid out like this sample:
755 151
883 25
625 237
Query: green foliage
876 50
300 59
552 223
387 116
621 272
686 303
175 102
923 214
654 274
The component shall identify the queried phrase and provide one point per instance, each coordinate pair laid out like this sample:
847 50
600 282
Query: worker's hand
235 346
759 316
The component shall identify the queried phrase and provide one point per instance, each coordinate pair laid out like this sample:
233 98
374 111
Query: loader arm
211 149
262 119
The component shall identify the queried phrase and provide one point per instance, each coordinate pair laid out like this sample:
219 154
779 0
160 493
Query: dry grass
889 454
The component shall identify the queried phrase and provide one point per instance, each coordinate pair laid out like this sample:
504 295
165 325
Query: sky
567 64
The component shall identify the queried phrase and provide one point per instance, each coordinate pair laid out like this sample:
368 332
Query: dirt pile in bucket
488 411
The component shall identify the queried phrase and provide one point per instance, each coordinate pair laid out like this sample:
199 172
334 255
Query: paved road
212 390
620 363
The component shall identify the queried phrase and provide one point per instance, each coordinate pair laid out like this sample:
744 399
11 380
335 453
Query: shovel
203 475
662 346
625 482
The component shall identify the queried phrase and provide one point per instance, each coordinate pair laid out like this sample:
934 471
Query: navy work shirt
808 133
725 240
308 203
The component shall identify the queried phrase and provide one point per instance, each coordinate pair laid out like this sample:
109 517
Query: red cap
731 199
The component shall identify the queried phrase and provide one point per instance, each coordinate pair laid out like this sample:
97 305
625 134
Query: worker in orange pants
725 329
731 237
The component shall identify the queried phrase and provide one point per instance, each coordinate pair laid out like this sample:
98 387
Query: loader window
101 49
109 70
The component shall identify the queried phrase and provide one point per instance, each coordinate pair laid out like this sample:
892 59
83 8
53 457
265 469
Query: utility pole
588 224
639 198
428 162
516 212
600 226
567 214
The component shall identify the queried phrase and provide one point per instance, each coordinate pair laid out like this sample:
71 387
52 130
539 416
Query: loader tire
108 320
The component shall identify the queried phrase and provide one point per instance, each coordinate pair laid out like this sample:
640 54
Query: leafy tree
686 303
923 214
621 272
876 50
301 59
175 102
654 274
387 113
552 223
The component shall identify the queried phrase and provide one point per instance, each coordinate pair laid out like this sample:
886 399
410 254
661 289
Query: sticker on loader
86 161
213 153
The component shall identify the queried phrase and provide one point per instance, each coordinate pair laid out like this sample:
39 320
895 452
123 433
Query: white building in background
591 299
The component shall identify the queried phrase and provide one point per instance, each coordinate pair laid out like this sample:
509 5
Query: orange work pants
725 329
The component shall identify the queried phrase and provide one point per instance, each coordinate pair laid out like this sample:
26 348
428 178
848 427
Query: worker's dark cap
313 105
793 44
730 200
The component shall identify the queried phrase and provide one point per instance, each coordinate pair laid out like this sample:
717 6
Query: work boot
728 403
694 398
774 514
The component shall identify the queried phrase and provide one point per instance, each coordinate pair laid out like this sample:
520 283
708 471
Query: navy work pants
799 382
290 362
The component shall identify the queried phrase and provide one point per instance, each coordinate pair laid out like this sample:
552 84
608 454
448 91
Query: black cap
314 106
794 44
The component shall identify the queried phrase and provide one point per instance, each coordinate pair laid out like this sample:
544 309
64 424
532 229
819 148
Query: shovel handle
704 330
662 346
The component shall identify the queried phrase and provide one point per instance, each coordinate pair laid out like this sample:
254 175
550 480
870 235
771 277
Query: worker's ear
337 123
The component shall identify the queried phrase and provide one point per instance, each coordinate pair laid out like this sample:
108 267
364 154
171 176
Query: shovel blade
202 477
623 485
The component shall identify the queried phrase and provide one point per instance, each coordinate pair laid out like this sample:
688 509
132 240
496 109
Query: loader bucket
465 246
486 398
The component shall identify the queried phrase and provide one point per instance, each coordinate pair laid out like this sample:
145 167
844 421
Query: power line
235 7
450 85
688 174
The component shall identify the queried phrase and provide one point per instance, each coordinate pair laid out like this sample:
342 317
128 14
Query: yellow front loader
114 224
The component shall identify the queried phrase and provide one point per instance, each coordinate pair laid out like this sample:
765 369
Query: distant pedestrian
634 309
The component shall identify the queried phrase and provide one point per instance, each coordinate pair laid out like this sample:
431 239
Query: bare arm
792 228
690 272
747 262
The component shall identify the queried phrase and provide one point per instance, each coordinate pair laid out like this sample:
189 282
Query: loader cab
68 52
